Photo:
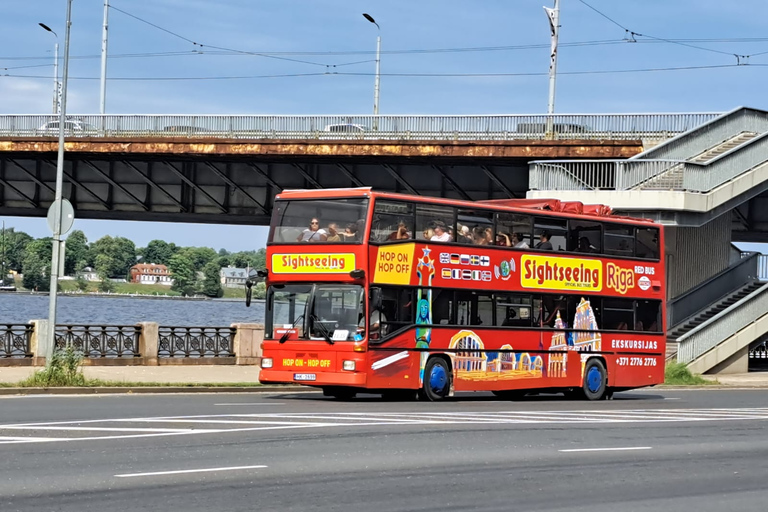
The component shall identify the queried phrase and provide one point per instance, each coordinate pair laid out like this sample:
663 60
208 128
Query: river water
21 308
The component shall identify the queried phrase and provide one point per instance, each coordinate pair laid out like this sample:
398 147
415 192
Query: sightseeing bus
399 294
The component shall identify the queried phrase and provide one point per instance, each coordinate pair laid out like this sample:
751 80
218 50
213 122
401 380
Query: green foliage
81 283
36 275
183 273
212 281
198 256
253 259
679 374
76 253
113 256
105 285
15 248
159 252
63 369
260 290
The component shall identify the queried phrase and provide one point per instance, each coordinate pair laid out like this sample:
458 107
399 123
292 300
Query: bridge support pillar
737 363
247 344
148 342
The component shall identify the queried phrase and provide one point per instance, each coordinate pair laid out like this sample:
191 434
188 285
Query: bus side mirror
248 291
375 299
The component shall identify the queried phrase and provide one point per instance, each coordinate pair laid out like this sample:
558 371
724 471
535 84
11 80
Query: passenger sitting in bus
464 236
401 233
428 234
518 242
622 326
639 325
488 236
377 326
313 233
544 243
479 237
350 233
503 240
585 245
333 233
441 233
510 320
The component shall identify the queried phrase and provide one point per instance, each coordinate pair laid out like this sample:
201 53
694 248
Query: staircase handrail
722 326
695 300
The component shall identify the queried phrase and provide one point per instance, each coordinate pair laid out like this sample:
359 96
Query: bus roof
571 208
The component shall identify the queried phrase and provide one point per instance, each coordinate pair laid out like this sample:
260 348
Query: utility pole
377 80
56 253
103 103
554 25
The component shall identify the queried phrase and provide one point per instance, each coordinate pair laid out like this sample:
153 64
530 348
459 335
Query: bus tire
437 380
340 393
595 380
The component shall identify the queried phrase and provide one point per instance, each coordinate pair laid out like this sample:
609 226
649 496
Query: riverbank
133 296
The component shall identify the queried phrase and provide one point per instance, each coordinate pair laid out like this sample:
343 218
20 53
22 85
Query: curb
153 390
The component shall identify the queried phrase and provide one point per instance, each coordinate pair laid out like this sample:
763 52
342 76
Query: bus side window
647 245
556 228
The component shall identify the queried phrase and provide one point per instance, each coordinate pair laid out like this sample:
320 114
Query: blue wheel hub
594 379
438 380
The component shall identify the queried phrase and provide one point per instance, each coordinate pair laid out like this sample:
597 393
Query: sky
316 57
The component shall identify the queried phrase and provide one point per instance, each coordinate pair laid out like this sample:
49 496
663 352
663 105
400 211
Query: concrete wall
696 254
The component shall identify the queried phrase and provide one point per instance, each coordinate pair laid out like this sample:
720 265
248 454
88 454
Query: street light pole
103 103
56 96
56 253
554 26
377 80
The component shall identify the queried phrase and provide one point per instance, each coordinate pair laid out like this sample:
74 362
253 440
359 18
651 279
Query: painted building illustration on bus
472 362
562 342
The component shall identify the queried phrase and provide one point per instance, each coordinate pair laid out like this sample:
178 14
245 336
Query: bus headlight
266 362
348 366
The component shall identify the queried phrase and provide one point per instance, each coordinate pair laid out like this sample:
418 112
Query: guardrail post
38 342
148 342
247 343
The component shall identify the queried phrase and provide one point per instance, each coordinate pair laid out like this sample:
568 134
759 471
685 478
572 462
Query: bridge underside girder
750 220
232 189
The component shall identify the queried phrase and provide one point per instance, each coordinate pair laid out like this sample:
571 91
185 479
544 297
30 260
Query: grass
123 288
62 370
678 374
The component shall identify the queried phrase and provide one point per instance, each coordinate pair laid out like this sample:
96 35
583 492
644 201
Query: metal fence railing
196 342
725 324
401 127
15 340
100 341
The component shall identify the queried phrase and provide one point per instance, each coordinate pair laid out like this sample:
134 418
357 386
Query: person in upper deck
333 233
518 242
401 233
544 243
313 233
441 233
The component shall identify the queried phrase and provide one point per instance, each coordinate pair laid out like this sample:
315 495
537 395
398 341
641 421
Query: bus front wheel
595 385
437 380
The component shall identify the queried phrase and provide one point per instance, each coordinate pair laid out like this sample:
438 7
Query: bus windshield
319 221
334 311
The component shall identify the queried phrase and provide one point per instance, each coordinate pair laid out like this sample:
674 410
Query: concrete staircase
727 145
708 313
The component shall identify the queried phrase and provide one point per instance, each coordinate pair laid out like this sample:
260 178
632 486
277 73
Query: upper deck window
319 221
647 245
392 221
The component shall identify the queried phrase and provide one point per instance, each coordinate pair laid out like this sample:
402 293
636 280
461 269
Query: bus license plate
304 376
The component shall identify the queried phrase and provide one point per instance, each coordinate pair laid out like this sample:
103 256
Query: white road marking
186 471
625 448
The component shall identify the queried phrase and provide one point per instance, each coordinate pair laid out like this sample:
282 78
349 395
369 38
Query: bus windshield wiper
321 328
288 332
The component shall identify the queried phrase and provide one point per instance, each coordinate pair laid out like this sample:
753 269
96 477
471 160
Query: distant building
150 273
90 275
232 277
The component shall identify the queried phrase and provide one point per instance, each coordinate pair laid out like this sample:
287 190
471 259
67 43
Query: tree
36 275
158 251
75 252
199 256
212 282
105 285
183 274
81 283
118 255
15 248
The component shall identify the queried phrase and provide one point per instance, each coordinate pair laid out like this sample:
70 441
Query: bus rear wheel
595 385
437 380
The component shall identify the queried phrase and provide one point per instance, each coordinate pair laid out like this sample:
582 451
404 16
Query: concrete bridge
227 169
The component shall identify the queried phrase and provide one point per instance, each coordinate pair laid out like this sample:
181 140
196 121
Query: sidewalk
160 374
745 380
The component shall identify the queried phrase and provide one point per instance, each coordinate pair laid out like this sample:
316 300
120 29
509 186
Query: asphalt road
645 450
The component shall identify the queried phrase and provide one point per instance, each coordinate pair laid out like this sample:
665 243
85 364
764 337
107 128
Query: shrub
63 369
679 374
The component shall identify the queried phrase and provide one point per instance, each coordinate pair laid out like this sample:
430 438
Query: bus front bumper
353 379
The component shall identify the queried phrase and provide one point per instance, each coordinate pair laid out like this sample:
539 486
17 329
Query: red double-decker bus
398 294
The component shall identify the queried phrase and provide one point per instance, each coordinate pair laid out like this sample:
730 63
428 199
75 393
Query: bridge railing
401 127
15 340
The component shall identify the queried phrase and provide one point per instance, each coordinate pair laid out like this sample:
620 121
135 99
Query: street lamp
378 68
56 91
58 205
